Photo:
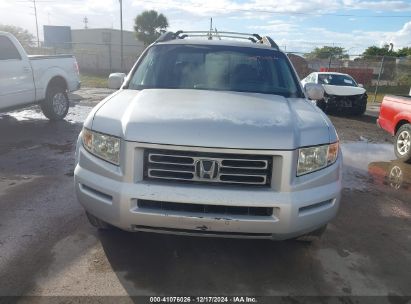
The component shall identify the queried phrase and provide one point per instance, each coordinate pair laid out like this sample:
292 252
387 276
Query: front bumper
344 102
112 195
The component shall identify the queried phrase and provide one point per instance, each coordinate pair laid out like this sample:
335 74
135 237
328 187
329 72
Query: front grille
206 209
217 168
345 101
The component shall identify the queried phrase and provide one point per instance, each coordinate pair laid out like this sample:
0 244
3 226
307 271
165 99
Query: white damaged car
342 92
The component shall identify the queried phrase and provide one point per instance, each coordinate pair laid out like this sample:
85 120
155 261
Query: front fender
399 117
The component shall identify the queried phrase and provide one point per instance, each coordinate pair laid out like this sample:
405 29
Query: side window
145 74
7 50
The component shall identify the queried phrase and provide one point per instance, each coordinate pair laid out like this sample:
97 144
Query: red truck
395 117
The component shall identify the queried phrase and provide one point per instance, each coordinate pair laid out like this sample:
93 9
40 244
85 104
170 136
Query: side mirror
360 85
314 91
115 80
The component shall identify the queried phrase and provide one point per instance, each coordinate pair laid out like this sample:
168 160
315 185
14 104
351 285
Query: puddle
76 114
359 154
370 164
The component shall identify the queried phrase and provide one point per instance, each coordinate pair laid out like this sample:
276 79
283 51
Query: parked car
210 137
342 92
27 80
395 118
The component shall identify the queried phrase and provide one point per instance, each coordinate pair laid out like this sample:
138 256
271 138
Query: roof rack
210 35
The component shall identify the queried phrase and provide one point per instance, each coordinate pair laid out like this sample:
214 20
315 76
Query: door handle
26 69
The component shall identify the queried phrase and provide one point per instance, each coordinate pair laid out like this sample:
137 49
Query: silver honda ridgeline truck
210 137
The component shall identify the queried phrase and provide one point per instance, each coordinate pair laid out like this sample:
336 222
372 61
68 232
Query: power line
264 11
323 14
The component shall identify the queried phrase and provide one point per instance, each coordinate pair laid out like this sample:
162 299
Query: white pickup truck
43 80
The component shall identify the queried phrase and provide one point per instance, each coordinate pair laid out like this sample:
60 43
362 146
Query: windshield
211 67
335 79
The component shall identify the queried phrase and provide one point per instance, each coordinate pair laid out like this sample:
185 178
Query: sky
296 25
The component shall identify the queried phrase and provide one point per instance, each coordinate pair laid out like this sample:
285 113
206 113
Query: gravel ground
48 248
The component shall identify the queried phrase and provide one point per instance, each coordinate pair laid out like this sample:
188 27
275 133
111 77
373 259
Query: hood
343 90
212 119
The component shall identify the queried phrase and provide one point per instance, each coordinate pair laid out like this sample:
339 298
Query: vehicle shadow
18 132
155 264
36 146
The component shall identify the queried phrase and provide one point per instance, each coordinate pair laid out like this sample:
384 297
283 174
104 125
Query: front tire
56 104
402 146
322 105
359 110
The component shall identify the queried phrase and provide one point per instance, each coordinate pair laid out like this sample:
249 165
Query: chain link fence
94 58
379 75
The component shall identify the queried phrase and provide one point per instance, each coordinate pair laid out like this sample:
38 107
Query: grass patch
93 81
385 90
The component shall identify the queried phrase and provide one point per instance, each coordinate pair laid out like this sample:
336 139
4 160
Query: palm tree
148 26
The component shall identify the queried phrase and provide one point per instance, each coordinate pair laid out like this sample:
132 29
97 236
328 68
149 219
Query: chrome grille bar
232 168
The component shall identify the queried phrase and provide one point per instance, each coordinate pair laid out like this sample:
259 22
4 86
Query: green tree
373 51
405 51
326 51
23 36
148 26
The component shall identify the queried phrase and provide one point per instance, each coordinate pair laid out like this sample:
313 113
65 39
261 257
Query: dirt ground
364 128
48 248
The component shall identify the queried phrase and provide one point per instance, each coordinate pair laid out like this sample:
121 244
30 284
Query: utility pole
379 77
85 20
121 35
210 36
329 62
37 25
331 55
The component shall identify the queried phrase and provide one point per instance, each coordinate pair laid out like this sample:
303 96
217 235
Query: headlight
311 159
101 145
